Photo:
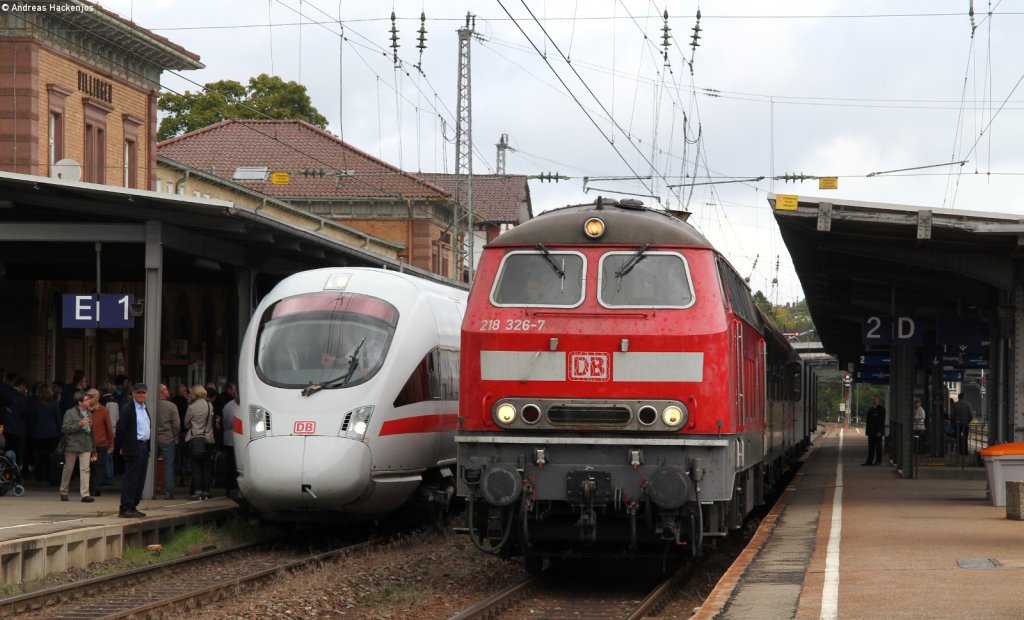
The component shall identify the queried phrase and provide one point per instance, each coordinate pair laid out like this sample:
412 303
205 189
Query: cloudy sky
586 89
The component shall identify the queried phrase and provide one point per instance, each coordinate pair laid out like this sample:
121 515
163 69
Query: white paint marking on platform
830 591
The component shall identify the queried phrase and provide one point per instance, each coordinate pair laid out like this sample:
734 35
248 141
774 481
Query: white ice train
349 381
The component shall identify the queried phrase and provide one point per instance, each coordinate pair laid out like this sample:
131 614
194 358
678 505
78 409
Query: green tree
264 97
794 317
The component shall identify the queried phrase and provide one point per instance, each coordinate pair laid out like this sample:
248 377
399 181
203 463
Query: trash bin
1003 462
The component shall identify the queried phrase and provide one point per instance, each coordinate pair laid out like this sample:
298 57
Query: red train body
620 392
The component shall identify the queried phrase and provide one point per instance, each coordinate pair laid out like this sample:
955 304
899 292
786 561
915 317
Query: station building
90 204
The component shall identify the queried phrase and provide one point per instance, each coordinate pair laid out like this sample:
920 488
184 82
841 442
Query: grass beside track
231 532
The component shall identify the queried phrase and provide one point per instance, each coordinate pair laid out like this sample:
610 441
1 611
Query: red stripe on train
420 424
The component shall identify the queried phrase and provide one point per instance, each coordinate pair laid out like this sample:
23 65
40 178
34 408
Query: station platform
39 534
853 541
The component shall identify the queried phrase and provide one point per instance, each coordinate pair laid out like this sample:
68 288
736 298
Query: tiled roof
498 198
293 146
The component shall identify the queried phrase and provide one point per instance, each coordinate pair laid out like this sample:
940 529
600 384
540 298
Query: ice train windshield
341 338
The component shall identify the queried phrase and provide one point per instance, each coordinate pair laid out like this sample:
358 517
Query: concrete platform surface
849 541
39 534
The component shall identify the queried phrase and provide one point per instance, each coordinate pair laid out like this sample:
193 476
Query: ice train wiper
353 363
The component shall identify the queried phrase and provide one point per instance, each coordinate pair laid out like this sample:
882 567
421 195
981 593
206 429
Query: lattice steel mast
462 237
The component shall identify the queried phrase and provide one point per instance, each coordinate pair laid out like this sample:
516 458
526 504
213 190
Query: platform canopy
861 259
955 277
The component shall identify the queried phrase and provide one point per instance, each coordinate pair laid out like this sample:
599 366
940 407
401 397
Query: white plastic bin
1003 462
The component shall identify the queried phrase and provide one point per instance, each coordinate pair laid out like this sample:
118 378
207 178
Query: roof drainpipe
180 182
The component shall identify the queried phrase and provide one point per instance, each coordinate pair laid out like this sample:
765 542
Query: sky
586 89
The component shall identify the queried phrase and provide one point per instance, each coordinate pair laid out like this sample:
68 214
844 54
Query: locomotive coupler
588 523
668 529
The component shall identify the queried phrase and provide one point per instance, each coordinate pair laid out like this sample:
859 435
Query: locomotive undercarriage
604 497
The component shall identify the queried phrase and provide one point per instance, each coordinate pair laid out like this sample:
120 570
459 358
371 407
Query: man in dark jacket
131 437
875 429
962 414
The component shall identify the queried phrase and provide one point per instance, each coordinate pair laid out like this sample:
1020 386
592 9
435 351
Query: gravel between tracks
430 574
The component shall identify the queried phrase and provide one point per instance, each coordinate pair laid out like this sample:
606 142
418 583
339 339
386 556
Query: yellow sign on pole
828 182
280 178
786 202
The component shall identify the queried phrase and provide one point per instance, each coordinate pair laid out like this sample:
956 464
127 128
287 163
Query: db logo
588 366
304 427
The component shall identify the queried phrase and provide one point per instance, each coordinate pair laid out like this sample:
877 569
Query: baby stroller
10 477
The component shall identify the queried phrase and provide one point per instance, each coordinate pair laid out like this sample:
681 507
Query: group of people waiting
48 430
956 428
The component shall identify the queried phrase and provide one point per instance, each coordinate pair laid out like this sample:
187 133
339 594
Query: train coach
622 395
348 383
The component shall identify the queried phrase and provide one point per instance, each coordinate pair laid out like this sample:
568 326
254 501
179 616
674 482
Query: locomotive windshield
642 279
541 278
317 338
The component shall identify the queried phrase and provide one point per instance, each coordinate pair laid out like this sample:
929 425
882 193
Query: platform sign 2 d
887 330
92 311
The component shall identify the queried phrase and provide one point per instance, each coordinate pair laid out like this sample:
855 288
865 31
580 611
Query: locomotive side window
642 279
333 339
739 294
540 278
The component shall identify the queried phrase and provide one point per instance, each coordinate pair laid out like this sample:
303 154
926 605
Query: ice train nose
295 473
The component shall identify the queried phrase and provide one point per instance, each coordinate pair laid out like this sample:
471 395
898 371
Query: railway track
580 594
168 588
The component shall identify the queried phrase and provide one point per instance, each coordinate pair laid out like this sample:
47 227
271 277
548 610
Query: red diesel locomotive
621 394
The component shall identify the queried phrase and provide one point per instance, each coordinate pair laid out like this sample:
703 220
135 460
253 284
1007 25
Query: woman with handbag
199 439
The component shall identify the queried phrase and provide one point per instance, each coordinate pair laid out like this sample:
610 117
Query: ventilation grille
588 415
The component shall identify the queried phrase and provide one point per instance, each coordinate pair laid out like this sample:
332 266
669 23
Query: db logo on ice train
589 366
304 427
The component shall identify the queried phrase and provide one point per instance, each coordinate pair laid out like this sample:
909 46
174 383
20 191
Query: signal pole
502 147
462 237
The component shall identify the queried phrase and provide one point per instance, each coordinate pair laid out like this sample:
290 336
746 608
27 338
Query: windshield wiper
353 363
551 261
633 260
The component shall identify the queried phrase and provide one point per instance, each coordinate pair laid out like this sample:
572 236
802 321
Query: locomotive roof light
674 415
594 228
337 281
505 414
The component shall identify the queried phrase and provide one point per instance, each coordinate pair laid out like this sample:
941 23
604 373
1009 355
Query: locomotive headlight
356 422
505 414
258 421
593 228
673 416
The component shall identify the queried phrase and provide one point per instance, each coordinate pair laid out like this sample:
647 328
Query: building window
56 98
94 164
130 165
56 138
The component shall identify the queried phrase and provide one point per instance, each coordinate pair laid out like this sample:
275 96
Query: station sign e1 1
97 311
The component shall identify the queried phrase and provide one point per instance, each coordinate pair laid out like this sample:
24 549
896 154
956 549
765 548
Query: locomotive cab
614 399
